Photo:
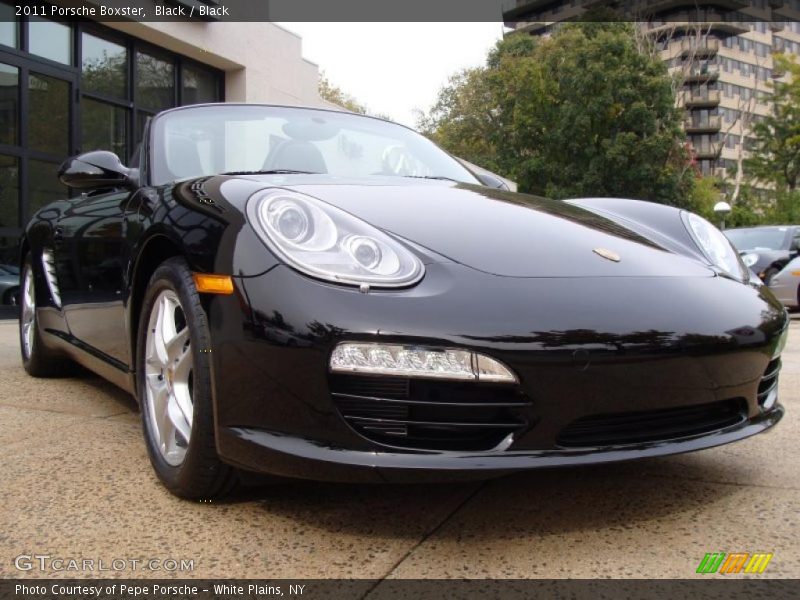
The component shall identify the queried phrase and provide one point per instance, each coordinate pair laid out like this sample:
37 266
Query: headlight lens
750 259
779 347
716 247
326 242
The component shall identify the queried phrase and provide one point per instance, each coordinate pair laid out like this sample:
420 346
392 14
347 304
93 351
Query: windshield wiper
271 172
439 177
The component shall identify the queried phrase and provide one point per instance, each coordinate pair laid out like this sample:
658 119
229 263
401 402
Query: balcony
719 172
699 47
710 125
534 27
656 6
692 26
700 73
706 151
700 98
777 26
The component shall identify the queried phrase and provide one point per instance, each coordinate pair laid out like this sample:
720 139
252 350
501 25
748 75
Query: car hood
505 233
498 232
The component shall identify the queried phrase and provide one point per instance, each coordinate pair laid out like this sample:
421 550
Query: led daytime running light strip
416 361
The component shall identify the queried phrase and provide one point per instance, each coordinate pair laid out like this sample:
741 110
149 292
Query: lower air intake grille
652 425
769 381
429 414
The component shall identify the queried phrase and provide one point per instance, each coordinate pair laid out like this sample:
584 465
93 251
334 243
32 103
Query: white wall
262 62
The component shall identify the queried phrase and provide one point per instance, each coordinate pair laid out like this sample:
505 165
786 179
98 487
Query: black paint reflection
566 211
633 342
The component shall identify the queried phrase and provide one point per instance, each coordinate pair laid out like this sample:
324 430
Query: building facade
71 87
720 56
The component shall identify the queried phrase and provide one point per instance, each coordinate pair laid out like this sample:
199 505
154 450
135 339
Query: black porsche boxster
318 294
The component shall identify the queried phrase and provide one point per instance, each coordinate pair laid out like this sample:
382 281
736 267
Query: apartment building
79 85
720 54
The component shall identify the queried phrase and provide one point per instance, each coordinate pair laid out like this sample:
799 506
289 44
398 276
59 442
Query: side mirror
492 181
96 170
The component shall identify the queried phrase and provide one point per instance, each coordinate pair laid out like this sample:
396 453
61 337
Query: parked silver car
786 284
766 249
9 285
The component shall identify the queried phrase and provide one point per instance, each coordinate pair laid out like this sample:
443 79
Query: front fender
205 222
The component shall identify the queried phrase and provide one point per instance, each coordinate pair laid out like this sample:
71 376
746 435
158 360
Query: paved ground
75 482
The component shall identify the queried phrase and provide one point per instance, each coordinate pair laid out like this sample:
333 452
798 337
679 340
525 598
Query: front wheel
174 384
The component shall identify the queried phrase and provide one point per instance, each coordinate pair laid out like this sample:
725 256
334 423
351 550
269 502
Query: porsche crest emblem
607 254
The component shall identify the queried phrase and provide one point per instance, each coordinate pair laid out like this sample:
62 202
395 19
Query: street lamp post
721 209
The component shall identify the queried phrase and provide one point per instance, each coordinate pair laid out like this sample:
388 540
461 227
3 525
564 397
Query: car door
88 247
794 245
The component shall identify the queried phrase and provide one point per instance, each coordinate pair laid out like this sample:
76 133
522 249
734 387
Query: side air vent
768 386
49 267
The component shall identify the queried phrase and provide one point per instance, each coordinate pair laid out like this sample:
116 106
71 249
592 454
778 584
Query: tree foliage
582 113
333 93
706 192
776 155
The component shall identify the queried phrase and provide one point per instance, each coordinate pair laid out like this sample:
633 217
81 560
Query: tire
11 297
173 381
769 274
37 359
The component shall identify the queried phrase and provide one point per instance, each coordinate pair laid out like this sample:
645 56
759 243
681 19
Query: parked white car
786 284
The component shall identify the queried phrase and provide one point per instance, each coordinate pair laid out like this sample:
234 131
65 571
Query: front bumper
581 347
279 454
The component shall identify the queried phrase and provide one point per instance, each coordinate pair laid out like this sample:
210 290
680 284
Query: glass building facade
67 88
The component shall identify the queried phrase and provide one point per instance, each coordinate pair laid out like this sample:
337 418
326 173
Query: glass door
49 134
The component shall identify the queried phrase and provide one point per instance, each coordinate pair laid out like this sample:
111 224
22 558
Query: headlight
329 243
782 339
750 259
716 247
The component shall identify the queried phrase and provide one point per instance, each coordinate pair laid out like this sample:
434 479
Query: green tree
581 113
785 208
706 192
333 93
749 210
776 153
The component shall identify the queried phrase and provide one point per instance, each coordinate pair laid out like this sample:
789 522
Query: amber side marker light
213 284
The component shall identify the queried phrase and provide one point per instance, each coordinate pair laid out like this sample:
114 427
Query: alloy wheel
168 377
28 313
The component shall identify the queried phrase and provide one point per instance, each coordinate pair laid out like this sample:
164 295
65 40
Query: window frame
21 59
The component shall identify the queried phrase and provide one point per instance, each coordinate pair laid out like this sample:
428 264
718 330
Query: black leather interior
183 159
296 155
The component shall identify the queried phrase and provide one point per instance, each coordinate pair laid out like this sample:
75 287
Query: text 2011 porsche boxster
325 295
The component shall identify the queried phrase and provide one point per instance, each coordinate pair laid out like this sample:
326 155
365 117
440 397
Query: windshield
209 140
758 239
